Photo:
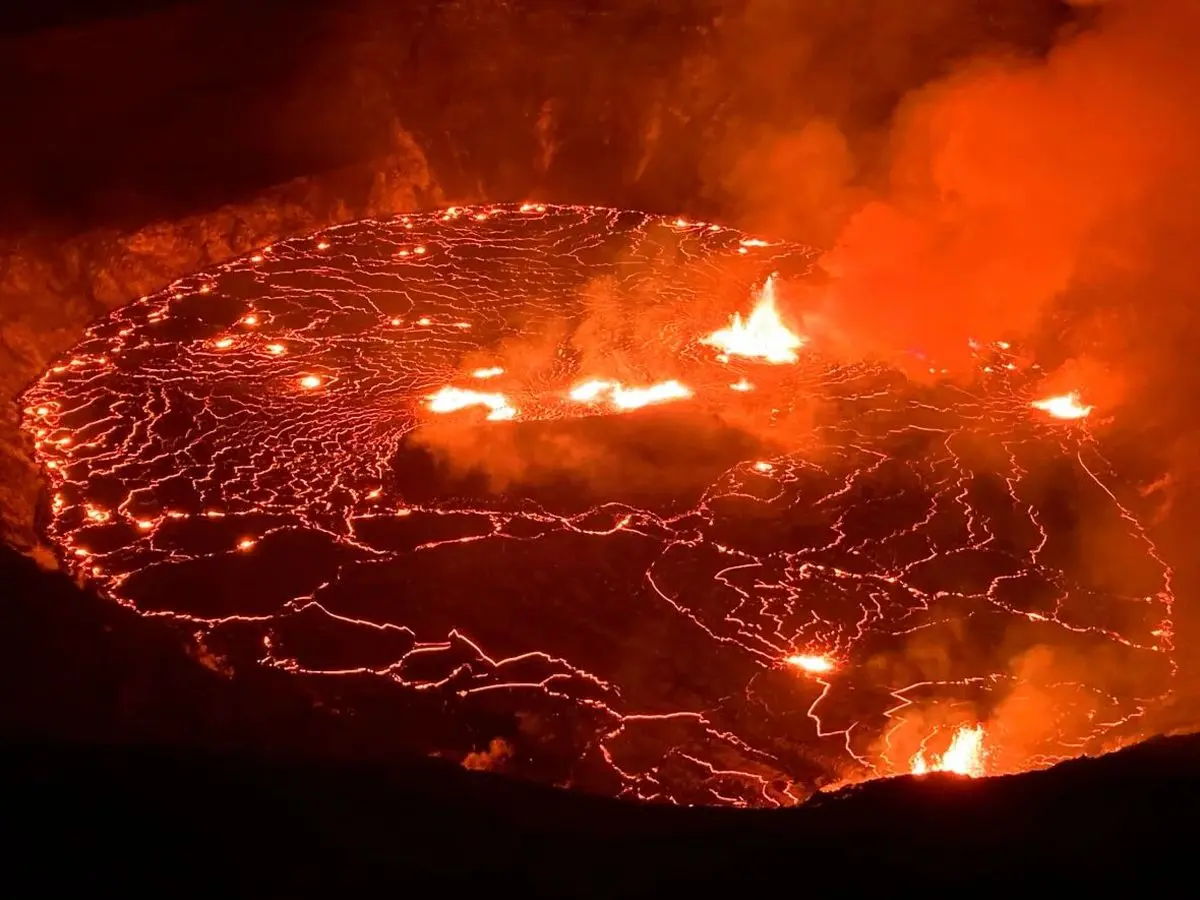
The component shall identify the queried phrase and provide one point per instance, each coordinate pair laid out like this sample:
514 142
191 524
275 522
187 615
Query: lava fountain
964 756
398 459
763 336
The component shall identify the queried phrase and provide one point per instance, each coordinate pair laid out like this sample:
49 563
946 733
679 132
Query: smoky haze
1051 198
1012 193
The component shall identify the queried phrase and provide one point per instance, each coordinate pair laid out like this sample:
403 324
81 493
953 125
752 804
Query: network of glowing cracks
100 418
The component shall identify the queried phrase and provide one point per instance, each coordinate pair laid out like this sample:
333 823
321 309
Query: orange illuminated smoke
814 665
762 336
965 755
452 399
1064 406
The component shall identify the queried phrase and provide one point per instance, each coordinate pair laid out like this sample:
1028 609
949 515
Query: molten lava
1063 406
763 336
815 665
452 399
735 632
965 755
627 398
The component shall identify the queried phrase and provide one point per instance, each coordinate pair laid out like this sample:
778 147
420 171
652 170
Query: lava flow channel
522 473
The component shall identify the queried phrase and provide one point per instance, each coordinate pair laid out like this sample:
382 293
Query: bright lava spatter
905 567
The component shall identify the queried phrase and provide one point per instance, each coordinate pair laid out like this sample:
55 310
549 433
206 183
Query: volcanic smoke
581 470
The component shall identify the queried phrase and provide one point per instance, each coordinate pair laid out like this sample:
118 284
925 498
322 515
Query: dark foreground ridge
129 764
124 816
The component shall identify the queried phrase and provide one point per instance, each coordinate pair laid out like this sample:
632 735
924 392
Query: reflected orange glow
762 336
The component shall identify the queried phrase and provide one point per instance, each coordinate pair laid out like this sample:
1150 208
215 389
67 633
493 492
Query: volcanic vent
576 478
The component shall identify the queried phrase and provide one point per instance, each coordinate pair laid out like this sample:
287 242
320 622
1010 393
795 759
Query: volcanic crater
518 470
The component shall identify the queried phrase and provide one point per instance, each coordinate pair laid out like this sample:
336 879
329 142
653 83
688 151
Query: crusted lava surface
625 596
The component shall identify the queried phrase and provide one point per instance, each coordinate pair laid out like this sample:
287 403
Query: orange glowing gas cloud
965 756
762 336
1064 406
625 398
814 665
452 399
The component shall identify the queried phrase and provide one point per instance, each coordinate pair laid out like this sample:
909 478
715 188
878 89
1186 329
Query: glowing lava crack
567 476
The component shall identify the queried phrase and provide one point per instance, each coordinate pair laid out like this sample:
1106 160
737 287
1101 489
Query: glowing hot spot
452 399
626 398
814 665
1064 406
490 372
310 382
590 391
635 398
762 336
